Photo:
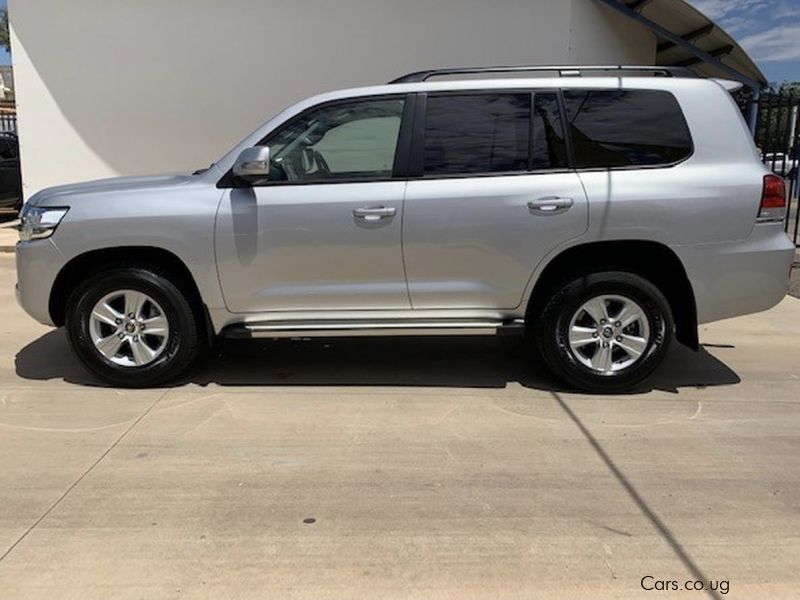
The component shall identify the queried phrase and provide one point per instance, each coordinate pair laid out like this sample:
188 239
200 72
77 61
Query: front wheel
132 327
605 332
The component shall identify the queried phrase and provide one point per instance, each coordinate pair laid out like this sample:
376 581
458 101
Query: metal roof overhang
687 38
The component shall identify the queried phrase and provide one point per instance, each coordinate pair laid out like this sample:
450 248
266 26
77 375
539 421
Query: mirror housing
252 164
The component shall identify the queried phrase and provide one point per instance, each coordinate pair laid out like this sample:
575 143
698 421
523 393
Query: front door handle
374 213
551 205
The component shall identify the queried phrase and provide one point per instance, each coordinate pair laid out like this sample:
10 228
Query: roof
694 29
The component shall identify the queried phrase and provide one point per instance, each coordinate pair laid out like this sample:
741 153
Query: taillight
773 199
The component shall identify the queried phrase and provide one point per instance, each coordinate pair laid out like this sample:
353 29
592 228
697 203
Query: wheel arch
76 270
654 261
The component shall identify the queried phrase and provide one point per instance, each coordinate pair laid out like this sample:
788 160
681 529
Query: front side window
477 133
621 128
348 141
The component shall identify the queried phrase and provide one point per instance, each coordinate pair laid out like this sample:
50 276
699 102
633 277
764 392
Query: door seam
403 243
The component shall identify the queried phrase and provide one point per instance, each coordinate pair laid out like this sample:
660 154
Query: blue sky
768 29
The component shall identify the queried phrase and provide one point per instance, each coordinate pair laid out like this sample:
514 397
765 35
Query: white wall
110 87
601 35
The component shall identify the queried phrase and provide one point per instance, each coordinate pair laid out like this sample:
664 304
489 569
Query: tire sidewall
557 319
182 328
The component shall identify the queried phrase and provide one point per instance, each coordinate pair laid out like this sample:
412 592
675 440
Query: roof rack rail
563 71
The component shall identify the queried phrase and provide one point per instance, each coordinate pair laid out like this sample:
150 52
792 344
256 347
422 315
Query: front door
324 232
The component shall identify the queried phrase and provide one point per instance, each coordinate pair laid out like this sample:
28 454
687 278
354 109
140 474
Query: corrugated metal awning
687 38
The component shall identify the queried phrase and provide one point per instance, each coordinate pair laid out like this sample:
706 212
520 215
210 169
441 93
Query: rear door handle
551 205
374 213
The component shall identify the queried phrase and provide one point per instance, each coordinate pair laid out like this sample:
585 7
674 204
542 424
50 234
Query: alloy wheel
129 328
609 333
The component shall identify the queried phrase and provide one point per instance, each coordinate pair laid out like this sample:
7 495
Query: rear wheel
132 327
605 332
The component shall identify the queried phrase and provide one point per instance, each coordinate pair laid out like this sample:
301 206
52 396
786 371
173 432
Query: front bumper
38 264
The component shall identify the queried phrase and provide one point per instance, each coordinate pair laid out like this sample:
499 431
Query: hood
58 195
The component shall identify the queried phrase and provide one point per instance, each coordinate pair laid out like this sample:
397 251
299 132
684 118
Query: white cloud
719 9
775 44
787 11
768 29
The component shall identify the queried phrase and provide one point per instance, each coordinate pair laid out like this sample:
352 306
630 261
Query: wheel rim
129 328
609 333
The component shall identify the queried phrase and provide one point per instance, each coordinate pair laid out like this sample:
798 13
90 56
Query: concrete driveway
399 469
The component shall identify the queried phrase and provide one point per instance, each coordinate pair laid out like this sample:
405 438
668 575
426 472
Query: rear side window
622 128
477 133
548 149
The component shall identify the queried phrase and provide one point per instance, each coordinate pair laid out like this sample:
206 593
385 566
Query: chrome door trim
551 205
374 213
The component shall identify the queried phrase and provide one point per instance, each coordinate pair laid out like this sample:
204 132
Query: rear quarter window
626 128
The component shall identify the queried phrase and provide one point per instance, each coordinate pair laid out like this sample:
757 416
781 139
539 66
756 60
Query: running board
333 329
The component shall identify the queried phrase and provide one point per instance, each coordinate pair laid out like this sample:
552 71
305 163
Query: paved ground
431 470
8 233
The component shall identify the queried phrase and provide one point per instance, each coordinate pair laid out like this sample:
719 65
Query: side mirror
252 163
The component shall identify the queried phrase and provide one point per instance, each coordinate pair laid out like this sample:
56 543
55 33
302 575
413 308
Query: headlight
39 222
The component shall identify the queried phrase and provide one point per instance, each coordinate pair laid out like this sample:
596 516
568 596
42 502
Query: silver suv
601 211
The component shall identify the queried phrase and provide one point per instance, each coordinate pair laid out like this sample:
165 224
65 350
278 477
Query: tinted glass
548 149
477 133
347 141
619 128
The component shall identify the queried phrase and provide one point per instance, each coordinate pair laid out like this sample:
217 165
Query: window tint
347 141
548 149
477 133
618 128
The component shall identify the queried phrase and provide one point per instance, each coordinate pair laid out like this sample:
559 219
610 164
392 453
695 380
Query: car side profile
601 211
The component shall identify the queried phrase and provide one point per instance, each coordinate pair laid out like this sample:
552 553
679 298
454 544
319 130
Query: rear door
494 196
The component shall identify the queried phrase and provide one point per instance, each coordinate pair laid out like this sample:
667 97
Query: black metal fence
777 136
8 123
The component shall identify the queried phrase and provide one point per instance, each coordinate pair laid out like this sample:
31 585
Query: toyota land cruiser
602 211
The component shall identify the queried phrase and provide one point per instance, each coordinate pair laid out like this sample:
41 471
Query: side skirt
361 328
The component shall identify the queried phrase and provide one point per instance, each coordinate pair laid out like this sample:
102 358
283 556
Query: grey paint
301 248
473 243
472 249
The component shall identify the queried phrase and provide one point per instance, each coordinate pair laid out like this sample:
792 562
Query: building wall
121 88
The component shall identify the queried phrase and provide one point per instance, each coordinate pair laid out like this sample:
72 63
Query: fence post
753 112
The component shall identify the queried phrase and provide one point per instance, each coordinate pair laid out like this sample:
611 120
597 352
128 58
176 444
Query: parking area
399 469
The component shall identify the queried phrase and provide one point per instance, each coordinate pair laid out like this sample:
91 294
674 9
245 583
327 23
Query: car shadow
431 362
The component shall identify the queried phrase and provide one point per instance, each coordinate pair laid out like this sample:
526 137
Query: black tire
551 330
183 341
